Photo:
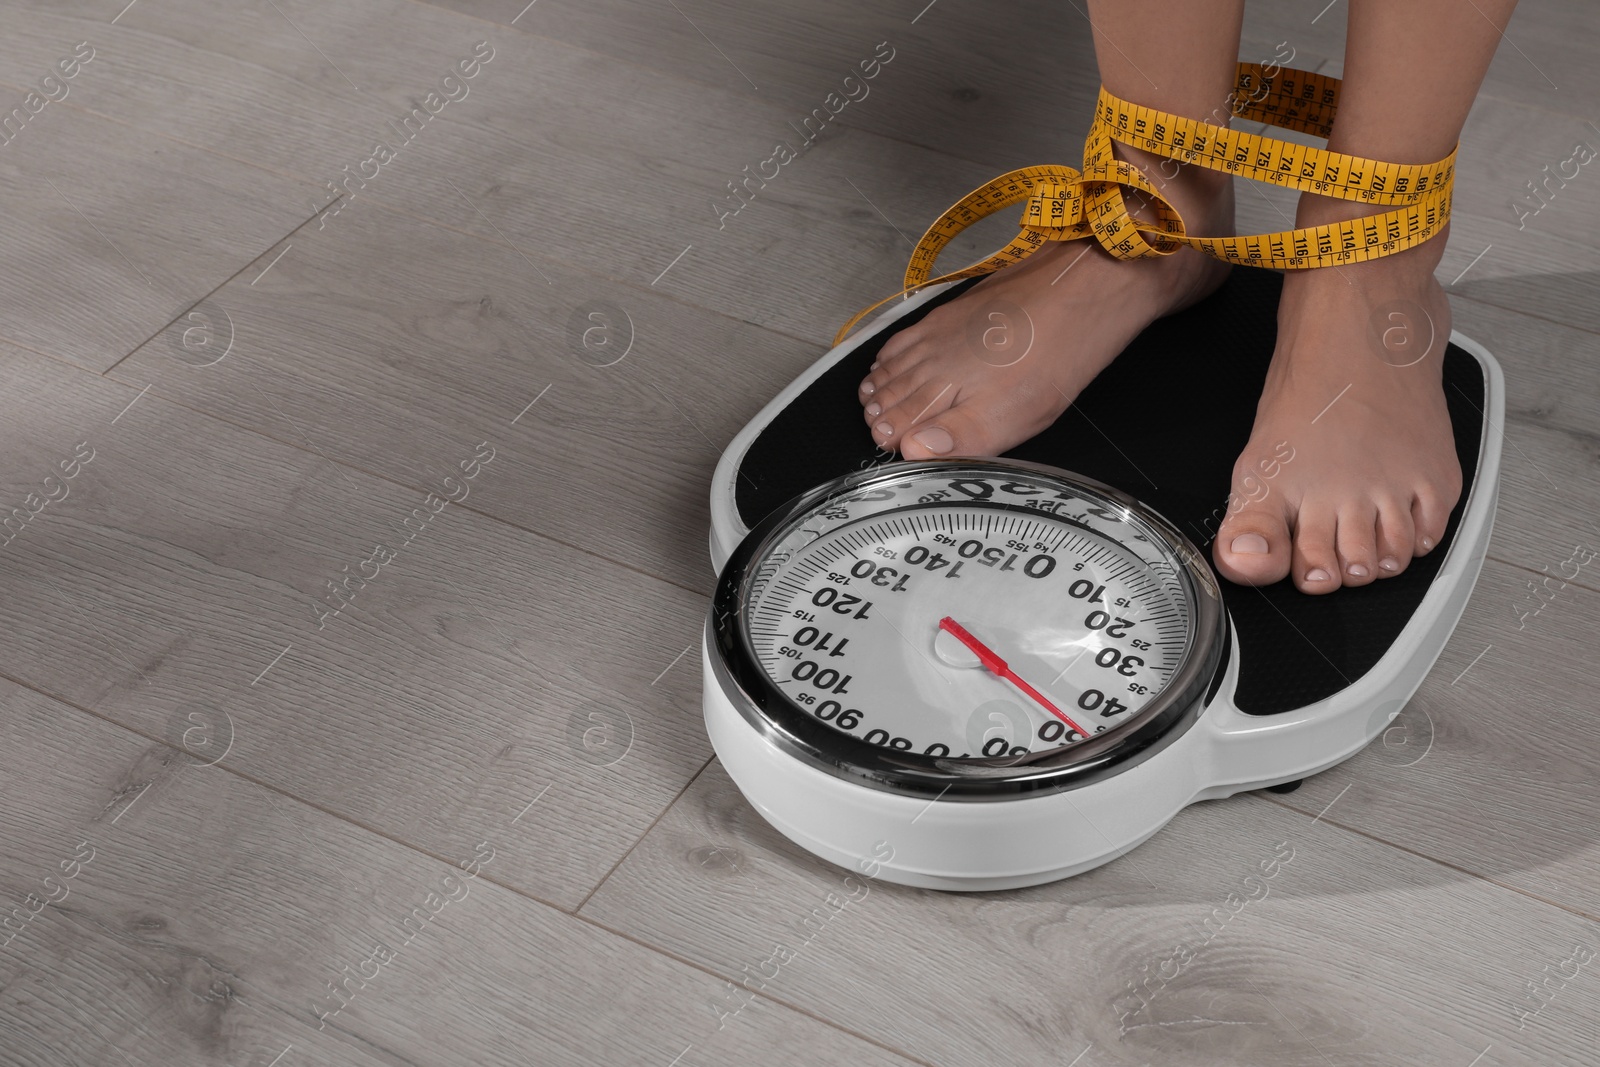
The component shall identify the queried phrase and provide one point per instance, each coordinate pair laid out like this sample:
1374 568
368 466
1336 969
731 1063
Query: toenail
874 409
1316 574
935 440
1250 544
868 388
884 429
1357 570
1389 563
1427 543
874 365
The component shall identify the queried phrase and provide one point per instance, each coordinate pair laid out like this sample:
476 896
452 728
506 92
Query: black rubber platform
1165 422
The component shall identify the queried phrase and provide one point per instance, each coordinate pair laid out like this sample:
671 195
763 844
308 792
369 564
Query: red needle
998 666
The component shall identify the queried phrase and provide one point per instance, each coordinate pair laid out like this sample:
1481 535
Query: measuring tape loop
1064 204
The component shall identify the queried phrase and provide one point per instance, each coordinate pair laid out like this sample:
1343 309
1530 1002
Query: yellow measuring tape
1063 204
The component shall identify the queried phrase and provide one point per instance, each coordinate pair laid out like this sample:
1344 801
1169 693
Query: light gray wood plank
213 914
1508 146
814 244
1548 495
188 564
983 82
111 233
283 103
1507 246
183 920
1550 478
1563 297
1490 768
1352 953
959 82
389 337
523 157
1002 85
1021 99
1552 371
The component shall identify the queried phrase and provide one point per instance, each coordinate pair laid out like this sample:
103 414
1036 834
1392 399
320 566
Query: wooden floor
341 538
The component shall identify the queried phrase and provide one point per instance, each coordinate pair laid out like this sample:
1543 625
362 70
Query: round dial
968 631
979 626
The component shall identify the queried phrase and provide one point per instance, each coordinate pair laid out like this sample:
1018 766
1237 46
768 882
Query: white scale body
1021 839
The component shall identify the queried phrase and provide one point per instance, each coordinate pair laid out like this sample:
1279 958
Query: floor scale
982 675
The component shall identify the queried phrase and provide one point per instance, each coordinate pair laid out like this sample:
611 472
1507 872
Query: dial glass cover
975 611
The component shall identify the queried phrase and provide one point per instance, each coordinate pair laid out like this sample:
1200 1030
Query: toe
930 441
922 405
960 430
877 380
1436 498
898 344
1357 542
884 406
1253 545
1315 566
1397 538
885 371
1430 514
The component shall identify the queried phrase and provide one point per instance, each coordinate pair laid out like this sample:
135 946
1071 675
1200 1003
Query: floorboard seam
514 890
215 289
223 419
692 779
1448 865
270 787
937 150
796 1008
1574 584
1524 312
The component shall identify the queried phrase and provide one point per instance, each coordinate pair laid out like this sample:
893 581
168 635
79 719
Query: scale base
1310 681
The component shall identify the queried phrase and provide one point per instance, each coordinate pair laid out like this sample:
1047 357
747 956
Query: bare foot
1351 468
998 364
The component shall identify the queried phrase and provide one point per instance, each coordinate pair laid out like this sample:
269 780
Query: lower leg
1405 97
941 387
1188 64
1405 103
1355 393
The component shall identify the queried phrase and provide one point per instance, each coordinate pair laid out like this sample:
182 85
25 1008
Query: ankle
1317 210
1203 198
